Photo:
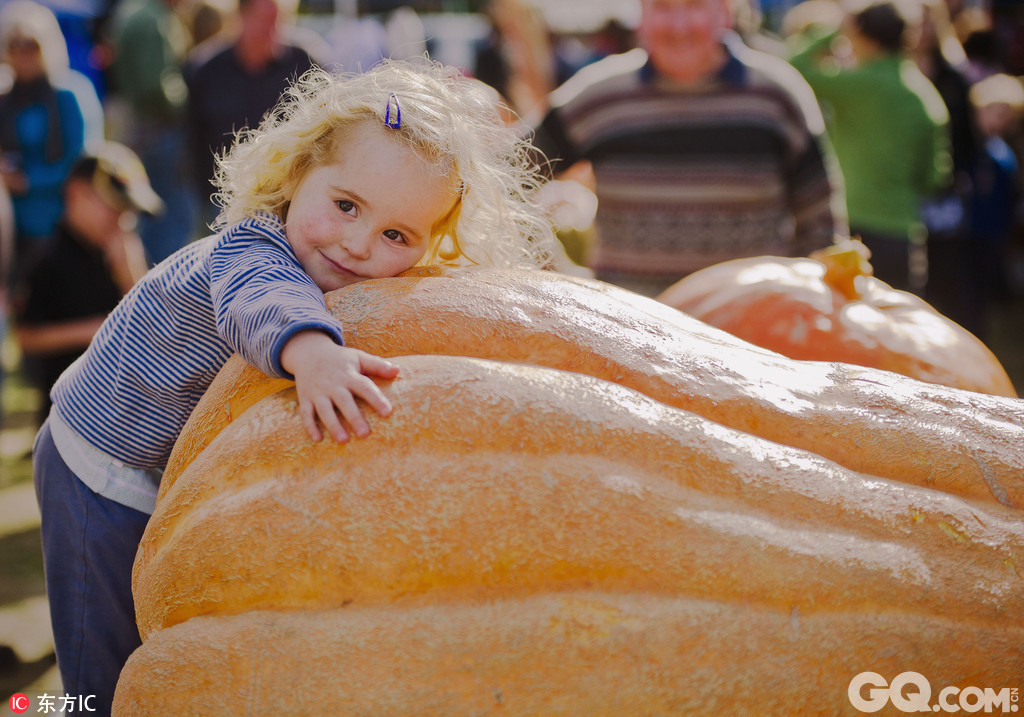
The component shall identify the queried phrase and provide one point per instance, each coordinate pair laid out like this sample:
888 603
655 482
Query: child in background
998 103
91 262
350 178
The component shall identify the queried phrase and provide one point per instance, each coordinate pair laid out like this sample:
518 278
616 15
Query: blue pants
89 545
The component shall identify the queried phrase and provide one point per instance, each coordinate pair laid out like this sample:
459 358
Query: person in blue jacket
42 125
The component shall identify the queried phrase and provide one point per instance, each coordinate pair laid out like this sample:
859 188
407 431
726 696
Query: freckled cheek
393 264
308 234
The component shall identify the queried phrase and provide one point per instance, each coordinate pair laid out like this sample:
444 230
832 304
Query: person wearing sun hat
117 174
91 261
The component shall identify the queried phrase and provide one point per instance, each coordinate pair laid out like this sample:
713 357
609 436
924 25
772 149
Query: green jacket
889 128
152 43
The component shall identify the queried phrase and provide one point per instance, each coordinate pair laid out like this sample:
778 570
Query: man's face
683 37
261 18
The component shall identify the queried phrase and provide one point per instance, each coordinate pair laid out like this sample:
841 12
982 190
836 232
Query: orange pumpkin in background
585 518
829 308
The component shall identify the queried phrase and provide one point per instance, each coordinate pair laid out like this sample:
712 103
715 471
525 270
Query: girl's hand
328 377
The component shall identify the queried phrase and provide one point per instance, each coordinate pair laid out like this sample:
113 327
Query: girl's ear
288 188
294 177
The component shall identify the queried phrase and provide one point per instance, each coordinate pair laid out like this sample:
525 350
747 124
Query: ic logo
19 703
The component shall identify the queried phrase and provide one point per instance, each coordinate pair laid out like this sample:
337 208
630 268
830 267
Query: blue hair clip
393 112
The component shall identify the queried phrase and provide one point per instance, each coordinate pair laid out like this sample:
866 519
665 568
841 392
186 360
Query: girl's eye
395 235
346 206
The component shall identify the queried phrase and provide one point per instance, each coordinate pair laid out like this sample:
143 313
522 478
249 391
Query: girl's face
369 213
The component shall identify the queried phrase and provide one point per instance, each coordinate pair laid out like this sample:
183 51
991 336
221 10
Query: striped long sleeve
240 291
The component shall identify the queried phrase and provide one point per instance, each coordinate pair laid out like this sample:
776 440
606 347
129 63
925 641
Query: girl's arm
262 298
329 377
269 311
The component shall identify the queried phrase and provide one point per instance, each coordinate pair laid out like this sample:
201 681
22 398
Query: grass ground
27 662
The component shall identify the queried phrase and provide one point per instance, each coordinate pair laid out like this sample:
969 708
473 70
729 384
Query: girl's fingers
341 399
329 418
308 415
346 404
376 366
371 393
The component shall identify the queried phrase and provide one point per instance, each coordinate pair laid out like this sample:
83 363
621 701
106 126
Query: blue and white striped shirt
242 290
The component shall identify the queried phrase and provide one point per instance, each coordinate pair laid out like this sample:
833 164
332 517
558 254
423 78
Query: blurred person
356 43
977 34
233 82
890 130
516 58
43 126
806 15
6 261
702 150
404 34
151 41
207 20
937 51
573 51
7 233
93 259
748 21
998 102
71 71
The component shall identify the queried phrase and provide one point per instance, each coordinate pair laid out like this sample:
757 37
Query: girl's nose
358 245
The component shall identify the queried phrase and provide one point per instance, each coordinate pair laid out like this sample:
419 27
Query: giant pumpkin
829 308
522 539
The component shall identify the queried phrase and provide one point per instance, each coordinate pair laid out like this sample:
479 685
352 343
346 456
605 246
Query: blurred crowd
681 133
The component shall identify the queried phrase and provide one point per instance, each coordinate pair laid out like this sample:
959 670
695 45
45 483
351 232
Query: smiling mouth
338 268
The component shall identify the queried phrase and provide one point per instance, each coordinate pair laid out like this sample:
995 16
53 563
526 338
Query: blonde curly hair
450 120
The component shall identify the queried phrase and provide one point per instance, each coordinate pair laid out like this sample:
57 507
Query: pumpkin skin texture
560 655
870 421
523 541
822 309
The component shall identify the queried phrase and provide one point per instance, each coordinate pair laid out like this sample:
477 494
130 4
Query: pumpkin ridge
676 360
713 385
628 421
539 656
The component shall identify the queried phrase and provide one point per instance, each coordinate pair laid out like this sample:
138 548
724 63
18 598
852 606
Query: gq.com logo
911 692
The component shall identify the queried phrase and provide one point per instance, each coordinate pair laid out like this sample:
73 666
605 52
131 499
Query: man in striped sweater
702 150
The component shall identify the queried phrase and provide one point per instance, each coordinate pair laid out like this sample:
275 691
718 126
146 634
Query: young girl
350 178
